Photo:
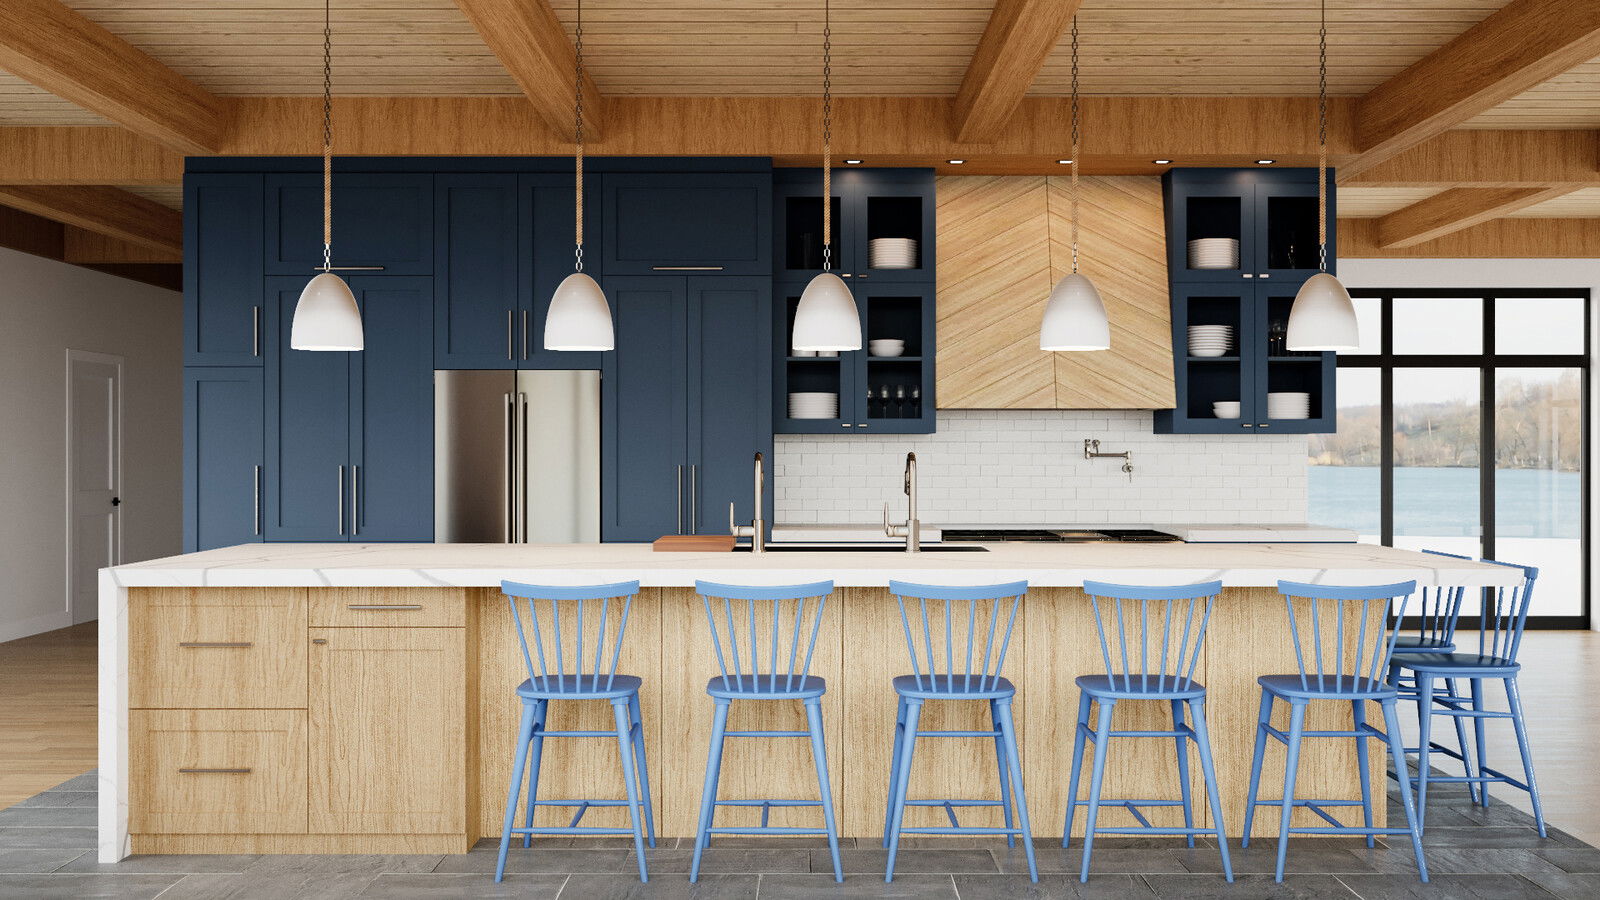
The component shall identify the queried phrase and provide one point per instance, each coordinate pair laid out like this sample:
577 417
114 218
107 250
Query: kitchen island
299 698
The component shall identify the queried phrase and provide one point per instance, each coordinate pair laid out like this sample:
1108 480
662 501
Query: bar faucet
912 529
756 531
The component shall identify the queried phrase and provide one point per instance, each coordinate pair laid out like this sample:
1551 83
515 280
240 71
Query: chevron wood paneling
1121 247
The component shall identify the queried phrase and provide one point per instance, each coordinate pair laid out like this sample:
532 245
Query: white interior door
94 475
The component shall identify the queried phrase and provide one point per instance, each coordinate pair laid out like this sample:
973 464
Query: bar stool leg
1478 724
518 763
1291 768
535 754
1000 760
1008 730
1183 767
894 767
630 778
708 794
1397 750
1451 690
898 801
1102 737
642 767
1514 697
1424 744
1262 721
1197 707
1358 718
1077 766
819 754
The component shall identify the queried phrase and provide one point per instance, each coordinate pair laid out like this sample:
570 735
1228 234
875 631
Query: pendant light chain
1322 140
327 135
1075 147
827 136
577 131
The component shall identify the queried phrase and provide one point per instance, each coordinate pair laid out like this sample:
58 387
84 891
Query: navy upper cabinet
687 222
223 443
223 306
1243 224
729 400
548 228
480 320
892 207
797 237
379 219
1286 226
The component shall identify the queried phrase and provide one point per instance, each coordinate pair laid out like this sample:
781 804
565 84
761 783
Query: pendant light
1075 317
327 317
826 317
1322 317
579 317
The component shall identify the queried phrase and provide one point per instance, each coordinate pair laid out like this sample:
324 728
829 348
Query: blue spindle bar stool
764 652
1167 629
1349 659
962 650
593 618
1500 625
1439 612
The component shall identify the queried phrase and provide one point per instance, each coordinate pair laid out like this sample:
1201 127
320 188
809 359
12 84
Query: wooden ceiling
1445 112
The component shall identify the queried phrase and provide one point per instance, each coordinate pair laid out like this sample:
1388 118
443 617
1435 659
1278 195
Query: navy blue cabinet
1269 215
223 307
223 443
379 219
684 405
888 205
687 222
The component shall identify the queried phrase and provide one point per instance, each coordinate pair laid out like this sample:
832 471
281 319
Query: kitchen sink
863 548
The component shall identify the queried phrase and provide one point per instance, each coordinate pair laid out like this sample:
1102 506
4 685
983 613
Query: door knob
116 501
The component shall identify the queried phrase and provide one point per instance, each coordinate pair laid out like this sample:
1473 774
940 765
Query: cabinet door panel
477 257
391 423
378 220
662 221
224 647
217 771
894 205
1201 381
222 299
730 400
1286 229
308 432
548 259
644 427
1219 207
388 731
224 439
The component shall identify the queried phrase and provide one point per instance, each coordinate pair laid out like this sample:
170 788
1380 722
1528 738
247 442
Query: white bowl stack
886 347
1214 253
1288 405
1225 409
892 253
813 405
1210 340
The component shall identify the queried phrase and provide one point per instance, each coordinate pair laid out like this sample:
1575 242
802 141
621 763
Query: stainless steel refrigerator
516 456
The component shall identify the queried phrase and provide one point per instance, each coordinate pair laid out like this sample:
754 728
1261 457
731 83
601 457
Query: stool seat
579 687
953 687
765 687
1346 687
1460 664
1120 688
1411 643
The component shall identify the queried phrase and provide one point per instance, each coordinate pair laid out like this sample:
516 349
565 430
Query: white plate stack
892 253
1288 405
1214 253
813 405
1210 340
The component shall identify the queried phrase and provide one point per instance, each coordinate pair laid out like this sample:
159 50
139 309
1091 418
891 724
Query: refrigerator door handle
522 469
509 506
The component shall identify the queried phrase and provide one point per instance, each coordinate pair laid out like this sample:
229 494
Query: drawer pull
215 771
381 606
319 640
686 268
201 644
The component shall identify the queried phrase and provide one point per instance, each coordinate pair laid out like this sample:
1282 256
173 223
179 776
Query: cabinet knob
1264 425
1266 275
1249 275
1246 425
845 425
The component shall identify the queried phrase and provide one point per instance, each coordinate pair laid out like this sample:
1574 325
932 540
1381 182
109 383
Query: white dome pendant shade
1322 317
826 317
1075 317
327 317
579 317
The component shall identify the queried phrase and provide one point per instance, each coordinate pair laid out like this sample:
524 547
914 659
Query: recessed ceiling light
1161 162
1064 162
956 162
852 162
1265 162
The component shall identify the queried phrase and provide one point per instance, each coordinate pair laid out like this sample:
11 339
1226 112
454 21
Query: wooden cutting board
694 543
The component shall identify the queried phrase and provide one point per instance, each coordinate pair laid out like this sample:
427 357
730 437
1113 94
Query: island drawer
217 771
228 648
389 607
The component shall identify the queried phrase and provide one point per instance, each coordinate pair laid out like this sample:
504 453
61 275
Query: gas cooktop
1059 535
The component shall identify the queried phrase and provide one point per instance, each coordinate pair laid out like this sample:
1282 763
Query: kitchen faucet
756 531
912 529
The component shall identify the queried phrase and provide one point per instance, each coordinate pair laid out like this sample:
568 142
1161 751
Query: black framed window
1463 427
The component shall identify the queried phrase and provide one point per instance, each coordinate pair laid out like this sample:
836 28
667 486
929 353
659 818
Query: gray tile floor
1482 854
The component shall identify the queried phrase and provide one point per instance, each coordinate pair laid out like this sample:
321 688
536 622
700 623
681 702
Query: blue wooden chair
1500 627
1437 616
962 652
1176 619
1349 663
568 679
773 664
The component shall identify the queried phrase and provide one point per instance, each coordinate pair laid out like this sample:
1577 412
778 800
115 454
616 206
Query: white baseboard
10 631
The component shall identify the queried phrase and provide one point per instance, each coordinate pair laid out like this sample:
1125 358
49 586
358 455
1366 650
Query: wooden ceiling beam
84 155
1018 39
58 49
1473 157
104 210
28 233
532 44
1456 209
1525 43
81 246
1511 238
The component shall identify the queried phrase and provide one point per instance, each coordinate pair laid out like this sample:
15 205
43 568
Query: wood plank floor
47 710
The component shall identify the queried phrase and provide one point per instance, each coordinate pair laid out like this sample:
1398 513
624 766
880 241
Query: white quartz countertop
1045 565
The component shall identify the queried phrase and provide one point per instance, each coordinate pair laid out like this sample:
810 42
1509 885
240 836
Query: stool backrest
963 640
752 630
1344 638
1501 622
1166 650
1439 608
595 618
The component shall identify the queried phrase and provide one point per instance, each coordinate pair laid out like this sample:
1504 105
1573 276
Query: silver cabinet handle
1247 425
255 519
694 500
255 331
1264 425
846 425
686 268
381 606
355 499
680 497
524 334
1248 275
511 319
1265 275
193 645
215 771
861 424
319 640
341 499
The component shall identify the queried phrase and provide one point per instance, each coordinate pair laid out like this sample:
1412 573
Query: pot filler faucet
912 529
756 531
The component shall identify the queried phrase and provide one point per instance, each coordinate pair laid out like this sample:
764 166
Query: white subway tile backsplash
1027 466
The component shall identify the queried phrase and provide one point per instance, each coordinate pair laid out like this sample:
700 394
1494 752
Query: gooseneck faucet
756 531
912 529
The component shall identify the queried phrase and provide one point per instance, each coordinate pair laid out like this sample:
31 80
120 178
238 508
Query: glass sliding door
1538 481
1437 435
